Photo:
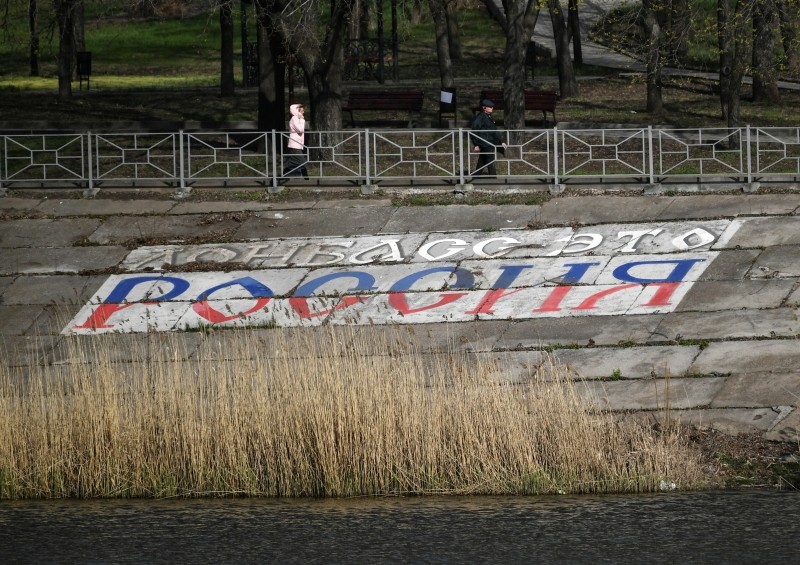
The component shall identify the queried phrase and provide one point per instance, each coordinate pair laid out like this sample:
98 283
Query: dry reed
309 414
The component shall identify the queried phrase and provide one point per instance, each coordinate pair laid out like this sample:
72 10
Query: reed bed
309 414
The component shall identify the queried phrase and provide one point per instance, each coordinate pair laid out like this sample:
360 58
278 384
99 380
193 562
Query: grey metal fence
646 155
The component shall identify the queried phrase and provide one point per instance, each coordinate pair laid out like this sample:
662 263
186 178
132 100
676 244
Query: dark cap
485 103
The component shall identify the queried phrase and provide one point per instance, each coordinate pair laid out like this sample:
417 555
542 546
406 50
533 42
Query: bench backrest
386 99
534 99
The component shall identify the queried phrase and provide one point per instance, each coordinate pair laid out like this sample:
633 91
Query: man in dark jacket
487 141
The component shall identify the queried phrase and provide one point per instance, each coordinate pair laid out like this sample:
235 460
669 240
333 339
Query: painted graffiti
415 278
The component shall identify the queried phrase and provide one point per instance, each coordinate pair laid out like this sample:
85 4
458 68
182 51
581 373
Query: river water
716 527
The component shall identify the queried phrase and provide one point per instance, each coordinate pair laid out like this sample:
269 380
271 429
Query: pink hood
293 109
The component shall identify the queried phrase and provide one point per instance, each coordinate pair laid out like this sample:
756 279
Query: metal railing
554 156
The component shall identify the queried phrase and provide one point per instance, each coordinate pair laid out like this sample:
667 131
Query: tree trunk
567 83
226 78
322 61
574 27
521 16
726 53
741 28
271 77
80 26
438 12
765 81
453 35
33 25
65 14
677 24
653 35
498 14
788 34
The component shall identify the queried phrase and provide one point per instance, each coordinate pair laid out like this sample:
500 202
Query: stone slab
766 232
649 394
5 283
787 428
738 357
730 265
46 232
26 350
52 319
225 207
423 219
730 324
473 336
17 319
711 296
630 362
782 261
730 421
610 330
589 210
10 204
125 348
122 229
351 203
729 205
59 259
103 207
759 389
794 298
321 223
51 289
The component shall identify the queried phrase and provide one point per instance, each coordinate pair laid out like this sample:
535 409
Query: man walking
487 141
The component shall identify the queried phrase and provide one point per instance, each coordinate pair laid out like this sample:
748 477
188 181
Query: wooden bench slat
544 100
384 100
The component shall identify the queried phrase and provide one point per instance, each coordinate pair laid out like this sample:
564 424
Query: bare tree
788 34
735 30
521 16
567 83
453 34
439 14
33 45
653 18
574 29
65 16
765 80
80 26
226 79
318 48
271 71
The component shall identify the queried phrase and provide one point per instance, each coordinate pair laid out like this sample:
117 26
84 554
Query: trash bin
447 103
83 67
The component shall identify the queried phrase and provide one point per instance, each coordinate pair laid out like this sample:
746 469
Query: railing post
367 187
461 176
367 156
3 165
555 155
181 167
274 147
462 188
90 190
650 154
749 156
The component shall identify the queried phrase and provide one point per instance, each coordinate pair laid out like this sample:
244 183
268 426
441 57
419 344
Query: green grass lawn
168 70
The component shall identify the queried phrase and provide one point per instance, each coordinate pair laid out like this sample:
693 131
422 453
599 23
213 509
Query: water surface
719 528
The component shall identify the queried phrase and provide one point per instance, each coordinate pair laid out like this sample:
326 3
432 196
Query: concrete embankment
685 301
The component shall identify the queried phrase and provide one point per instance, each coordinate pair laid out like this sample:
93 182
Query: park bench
385 101
543 100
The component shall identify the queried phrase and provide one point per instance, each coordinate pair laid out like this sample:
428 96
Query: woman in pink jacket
295 164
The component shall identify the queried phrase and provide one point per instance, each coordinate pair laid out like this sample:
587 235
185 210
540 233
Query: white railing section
370 157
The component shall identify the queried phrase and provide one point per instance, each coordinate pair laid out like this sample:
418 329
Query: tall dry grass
308 414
